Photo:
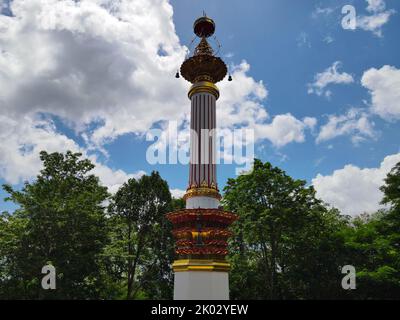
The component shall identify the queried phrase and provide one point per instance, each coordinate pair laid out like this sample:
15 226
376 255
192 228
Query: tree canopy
287 243
60 221
290 245
141 236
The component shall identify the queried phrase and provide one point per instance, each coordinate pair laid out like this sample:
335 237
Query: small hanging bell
230 78
177 75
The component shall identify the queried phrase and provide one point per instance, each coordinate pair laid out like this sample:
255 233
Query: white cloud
113 178
177 193
330 76
384 87
285 129
374 22
240 106
378 18
23 140
354 190
243 92
376 5
354 123
101 61
21 143
104 62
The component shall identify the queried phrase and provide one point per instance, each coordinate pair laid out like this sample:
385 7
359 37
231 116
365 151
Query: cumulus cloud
376 5
355 123
241 106
21 143
241 100
384 87
107 63
285 129
355 190
177 193
113 179
92 61
374 22
378 18
100 62
23 140
330 76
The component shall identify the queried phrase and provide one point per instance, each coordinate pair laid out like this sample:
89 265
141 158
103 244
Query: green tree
370 248
391 189
286 242
60 221
373 243
142 244
178 203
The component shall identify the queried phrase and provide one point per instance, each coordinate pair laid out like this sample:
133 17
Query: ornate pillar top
203 65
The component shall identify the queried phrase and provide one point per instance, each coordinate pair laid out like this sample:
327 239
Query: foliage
142 244
60 221
283 239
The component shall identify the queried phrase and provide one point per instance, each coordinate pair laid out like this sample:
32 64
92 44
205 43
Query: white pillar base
201 285
202 202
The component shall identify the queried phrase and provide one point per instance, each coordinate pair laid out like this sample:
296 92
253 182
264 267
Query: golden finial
203 48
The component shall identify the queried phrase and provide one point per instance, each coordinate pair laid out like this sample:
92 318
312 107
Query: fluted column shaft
202 169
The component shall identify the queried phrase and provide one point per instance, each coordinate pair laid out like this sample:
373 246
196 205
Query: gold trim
204 184
202 192
204 86
201 265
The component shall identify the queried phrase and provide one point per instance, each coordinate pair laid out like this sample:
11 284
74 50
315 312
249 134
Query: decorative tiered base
201 239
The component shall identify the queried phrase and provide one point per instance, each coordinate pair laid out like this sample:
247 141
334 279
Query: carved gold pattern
203 48
202 191
204 184
204 65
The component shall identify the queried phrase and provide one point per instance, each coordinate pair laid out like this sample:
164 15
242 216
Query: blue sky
289 47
